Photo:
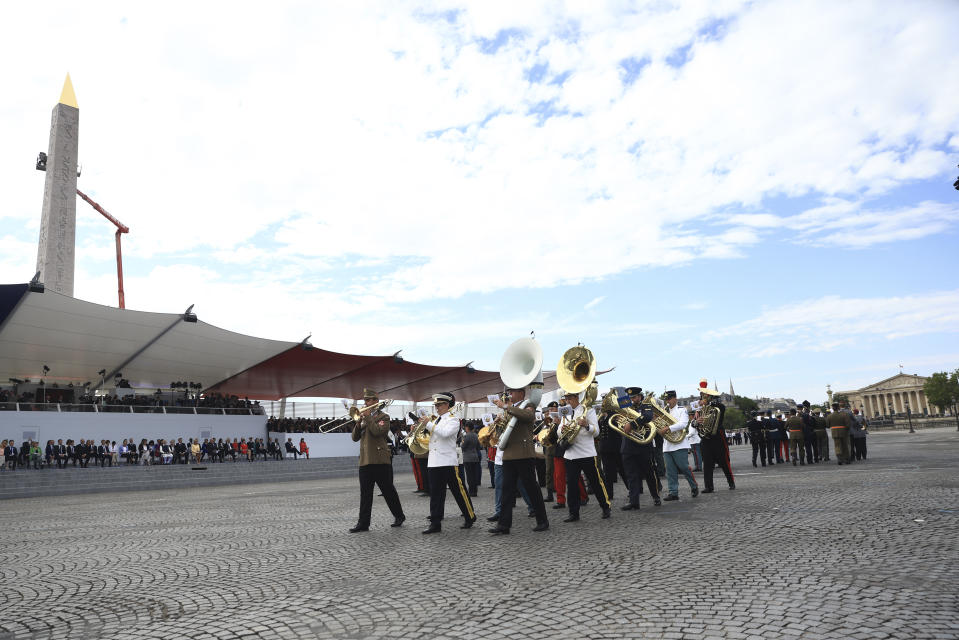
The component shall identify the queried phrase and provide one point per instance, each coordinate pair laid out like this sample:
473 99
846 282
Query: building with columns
891 397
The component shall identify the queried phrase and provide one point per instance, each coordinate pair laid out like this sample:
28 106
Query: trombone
357 414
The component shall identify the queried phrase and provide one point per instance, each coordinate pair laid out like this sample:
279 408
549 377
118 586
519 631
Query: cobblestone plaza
866 551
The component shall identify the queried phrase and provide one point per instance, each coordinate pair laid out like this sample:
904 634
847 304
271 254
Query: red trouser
417 474
559 482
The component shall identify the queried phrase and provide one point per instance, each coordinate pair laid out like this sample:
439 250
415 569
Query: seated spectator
146 452
61 454
179 452
291 449
304 450
36 455
166 452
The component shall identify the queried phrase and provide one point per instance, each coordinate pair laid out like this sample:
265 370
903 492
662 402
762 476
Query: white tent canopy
77 339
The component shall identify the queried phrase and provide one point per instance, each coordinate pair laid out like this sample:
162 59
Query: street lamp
892 418
908 415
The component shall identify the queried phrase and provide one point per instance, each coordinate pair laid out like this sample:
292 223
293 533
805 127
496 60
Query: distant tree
841 398
748 405
734 419
942 390
939 390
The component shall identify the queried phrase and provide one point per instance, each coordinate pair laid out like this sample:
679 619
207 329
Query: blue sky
755 191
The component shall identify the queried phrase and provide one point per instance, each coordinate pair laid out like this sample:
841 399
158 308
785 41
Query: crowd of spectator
143 402
339 425
81 452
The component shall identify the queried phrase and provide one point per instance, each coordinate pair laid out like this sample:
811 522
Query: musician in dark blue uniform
757 438
771 432
638 458
611 454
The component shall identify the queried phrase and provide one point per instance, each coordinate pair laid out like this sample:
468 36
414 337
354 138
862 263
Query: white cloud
846 223
595 301
271 147
831 322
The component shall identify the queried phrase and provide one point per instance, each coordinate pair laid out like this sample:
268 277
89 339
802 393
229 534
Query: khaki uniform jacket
520 444
794 426
371 432
839 422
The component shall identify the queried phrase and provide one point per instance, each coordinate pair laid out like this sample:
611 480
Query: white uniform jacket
583 445
693 436
443 442
682 418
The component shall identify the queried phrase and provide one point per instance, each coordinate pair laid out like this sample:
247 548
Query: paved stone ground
867 551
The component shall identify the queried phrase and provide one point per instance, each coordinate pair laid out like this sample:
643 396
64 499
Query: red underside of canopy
311 372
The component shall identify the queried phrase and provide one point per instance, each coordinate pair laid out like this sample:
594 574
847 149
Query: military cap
670 394
369 394
446 397
634 391
704 388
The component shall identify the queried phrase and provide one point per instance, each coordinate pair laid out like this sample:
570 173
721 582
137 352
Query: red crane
121 228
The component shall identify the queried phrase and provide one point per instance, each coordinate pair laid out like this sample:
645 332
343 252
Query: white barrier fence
322 445
47 425
331 410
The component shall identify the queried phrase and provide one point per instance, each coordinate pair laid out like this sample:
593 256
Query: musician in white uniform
443 465
581 457
677 459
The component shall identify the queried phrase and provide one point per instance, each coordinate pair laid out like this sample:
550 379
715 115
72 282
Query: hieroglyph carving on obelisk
58 224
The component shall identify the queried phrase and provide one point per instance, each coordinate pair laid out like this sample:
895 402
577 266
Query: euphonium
662 418
619 417
707 420
676 437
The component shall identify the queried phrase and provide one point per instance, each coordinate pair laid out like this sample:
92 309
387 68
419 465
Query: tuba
521 365
619 417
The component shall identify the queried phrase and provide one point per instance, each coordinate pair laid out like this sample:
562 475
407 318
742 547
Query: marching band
619 440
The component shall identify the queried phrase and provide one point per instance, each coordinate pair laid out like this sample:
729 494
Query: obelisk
58 223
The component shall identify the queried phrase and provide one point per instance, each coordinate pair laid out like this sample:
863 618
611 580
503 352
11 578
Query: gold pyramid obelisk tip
67 96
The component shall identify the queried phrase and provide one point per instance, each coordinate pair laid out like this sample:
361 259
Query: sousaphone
521 366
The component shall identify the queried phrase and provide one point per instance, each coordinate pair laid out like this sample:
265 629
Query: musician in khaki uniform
519 465
794 426
840 423
376 464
